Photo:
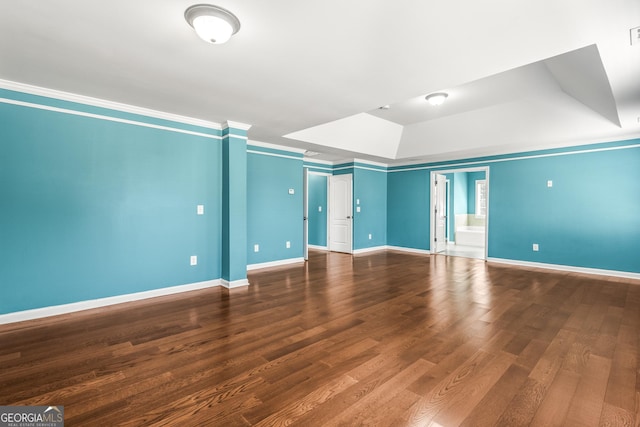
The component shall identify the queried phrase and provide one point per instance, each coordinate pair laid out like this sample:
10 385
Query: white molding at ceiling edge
39 313
234 283
275 146
103 103
235 125
566 268
278 263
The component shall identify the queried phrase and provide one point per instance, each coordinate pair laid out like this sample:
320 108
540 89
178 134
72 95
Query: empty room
319 213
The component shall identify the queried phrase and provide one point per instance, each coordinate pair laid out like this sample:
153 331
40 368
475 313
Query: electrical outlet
549 183
536 248
288 244
319 208
256 248
369 236
194 260
357 208
200 210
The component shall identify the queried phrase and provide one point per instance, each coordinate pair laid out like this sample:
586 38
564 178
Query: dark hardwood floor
381 339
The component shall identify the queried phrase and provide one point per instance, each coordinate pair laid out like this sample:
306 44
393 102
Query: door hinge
435 239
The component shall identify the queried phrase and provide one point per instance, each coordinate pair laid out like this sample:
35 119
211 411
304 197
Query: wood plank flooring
385 339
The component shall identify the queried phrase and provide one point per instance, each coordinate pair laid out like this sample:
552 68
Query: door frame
305 196
329 212
432 184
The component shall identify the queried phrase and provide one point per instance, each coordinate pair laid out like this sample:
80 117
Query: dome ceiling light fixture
213 24
436 98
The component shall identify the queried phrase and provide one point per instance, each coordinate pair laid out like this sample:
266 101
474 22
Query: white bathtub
470 235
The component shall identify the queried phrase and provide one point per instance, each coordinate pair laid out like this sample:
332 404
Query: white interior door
440 213
305 213
340 213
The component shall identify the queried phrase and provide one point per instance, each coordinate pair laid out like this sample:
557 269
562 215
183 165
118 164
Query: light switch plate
536 248
194 260
288 244
256 248
549 183
200 210
357 208
291 191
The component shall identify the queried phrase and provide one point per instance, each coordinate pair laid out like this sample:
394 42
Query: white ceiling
311 74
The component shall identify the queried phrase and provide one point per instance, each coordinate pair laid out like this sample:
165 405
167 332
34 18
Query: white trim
318 173
329 170
234 284
567 268
276 146
284 156
508 159
56 310
233 135
367 250
370 162
274 263
96 102
235 125
369 169
410 250
319 248
322 162
107 118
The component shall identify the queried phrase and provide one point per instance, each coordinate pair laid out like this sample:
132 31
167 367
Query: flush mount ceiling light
436 98
213 24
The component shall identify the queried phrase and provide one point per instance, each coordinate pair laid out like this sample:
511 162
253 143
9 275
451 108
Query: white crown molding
38 313
275 146
235 125
320 162
372 163
102 103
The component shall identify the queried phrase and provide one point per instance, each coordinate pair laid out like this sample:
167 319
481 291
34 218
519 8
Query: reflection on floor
463 251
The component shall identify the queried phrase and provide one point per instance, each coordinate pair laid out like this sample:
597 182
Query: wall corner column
234 204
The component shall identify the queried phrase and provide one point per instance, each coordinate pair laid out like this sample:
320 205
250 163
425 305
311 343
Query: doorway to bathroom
460 212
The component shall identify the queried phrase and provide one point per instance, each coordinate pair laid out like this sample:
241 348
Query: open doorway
460 212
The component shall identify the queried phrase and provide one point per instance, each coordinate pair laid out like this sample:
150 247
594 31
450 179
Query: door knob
348 217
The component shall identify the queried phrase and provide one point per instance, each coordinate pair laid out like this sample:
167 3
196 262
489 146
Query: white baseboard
234 284
56 310
274 263
410 250
372 249
567 268
320 248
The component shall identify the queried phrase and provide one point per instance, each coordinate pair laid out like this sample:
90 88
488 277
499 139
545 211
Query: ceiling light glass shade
436 98
213 24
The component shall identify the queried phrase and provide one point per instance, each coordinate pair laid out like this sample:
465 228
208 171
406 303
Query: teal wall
460 193
408 209
589 218
317 190
472 177
370 188
93 208
273 215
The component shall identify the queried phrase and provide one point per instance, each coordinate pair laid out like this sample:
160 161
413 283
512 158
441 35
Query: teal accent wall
589 218
370 188
317 191
234 205
408 213
460 193
274 216
94 208
472 177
